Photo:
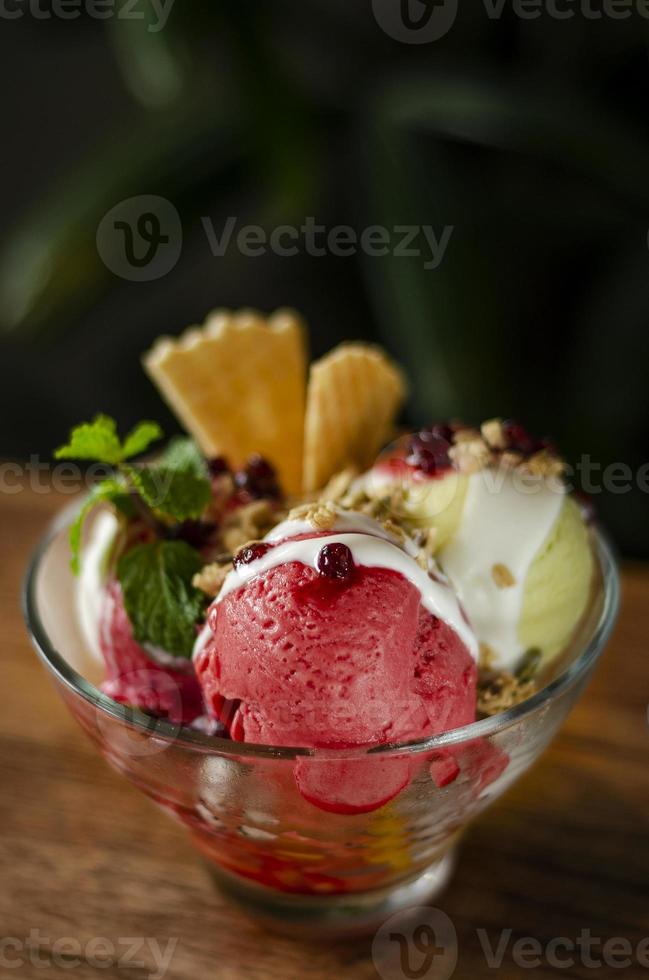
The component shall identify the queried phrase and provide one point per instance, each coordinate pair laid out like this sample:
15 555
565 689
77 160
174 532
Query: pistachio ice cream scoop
512 541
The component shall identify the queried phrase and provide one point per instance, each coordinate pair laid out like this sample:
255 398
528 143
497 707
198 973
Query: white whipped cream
92 578
503 522
370 550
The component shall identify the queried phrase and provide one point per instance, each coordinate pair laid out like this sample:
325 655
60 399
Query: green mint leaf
141 438
124 503
183 454
178 494
106 491
160 600
97 440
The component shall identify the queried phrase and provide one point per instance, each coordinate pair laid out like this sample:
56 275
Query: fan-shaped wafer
353 397
238 386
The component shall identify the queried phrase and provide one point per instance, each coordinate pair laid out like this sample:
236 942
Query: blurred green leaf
524 118
50 269
453 324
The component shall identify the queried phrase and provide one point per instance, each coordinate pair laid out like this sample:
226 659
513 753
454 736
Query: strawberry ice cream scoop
336 641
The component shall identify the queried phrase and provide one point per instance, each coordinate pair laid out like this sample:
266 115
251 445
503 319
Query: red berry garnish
520 441
195 533
335 561
428 450
258 478
441 430
250 553
218 466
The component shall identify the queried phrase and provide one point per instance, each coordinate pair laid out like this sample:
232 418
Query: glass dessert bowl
289 863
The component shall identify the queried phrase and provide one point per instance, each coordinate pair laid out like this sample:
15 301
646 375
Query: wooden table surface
85 857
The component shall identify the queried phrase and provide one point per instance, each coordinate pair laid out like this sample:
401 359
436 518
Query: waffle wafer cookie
238 386
353 397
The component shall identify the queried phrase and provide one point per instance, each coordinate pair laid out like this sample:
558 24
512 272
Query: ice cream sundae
279 578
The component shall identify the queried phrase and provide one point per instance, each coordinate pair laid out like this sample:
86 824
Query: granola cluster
499 443
499 690
211 577
321 515
240 528
249 523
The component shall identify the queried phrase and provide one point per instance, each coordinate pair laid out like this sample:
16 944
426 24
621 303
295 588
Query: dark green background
529 137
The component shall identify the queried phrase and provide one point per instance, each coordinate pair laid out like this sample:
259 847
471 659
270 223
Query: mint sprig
179 485
174 493
160 600
183 454
156 578
140 438
175 490
98 440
